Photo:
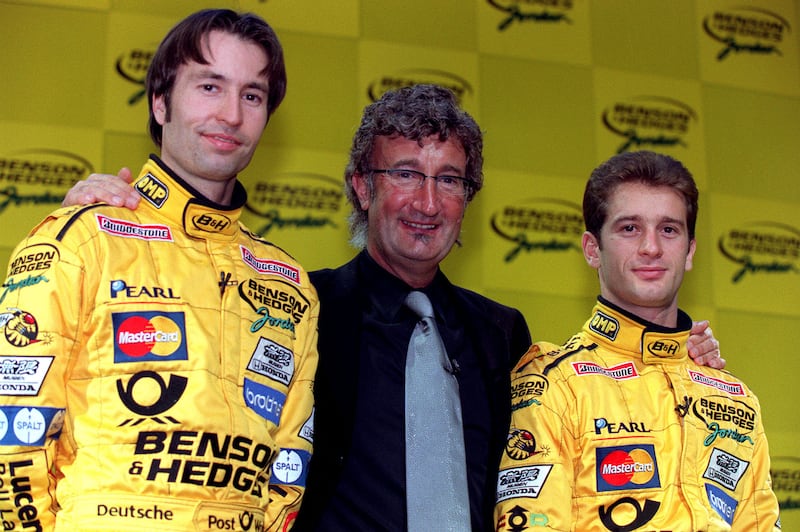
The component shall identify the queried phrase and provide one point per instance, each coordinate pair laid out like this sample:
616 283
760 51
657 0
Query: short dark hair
646 167
415 113
184 43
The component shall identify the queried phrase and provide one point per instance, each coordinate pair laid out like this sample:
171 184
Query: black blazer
497 332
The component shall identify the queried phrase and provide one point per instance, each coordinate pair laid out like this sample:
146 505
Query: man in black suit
415 164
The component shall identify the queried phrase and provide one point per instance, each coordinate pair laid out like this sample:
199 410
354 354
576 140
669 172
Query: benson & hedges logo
132 66
460 87
541 11
540 224
748 30
761 248
295 201
649 121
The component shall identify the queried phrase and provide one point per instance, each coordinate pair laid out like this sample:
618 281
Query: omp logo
746 30
539 225
623 371
733 388
459 86
627 467
649 121
127 229
149 336
36 258
152 189
604 325
132 66
543 11
270 266
211 222
295 200
41 168
663 348
761 248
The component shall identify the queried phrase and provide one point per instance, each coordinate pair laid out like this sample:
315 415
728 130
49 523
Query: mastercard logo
627 467
149 336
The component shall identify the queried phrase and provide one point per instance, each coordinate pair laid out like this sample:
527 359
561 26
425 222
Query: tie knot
420 304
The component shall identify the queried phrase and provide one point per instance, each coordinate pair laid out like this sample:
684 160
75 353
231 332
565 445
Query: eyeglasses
412 180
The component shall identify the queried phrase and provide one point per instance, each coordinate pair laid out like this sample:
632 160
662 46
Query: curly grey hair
415 112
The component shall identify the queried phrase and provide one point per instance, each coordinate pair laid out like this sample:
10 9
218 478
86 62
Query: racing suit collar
176 200
623 331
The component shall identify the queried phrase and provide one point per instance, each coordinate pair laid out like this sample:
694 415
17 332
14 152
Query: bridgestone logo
269 266
128 229
732 388
623 371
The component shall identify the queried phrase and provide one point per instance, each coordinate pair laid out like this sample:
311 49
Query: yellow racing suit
619 430
156 369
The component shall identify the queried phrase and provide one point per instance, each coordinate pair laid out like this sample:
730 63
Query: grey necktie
436 467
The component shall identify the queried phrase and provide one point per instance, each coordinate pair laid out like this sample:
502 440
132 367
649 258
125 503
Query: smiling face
216 116
643 251
411 232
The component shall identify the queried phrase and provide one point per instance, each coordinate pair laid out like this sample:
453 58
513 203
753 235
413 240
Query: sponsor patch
627 467
521 445
120 288
35 259
20 328
620 372
522 481
527 390
273 361
263 400
290 468
604 325
663 348
149 336
278 303
29 425
721 502
270 266
603 426
725 469
12 285
519 518
128 229
307 430
152 189
23 375
725 418
732 388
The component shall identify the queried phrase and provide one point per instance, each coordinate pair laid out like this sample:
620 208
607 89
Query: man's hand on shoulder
703 347
115 190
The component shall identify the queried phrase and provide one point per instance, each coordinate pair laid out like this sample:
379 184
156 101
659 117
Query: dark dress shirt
357 474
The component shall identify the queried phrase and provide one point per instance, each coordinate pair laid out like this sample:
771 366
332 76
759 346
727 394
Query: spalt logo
648 122
132 67
543 11
663 347
152 189
298 200
539 225
746 30
149 336
604 325
460 87
627 467
761 248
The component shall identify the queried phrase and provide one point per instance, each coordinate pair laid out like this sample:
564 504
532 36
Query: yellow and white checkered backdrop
557 86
